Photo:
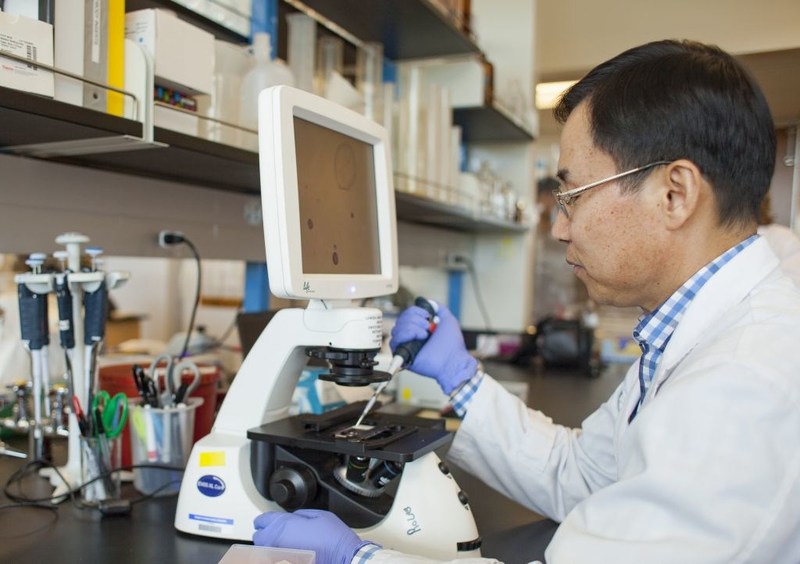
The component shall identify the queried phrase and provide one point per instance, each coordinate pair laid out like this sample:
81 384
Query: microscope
330 234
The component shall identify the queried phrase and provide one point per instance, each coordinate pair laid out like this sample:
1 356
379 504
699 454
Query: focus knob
292 488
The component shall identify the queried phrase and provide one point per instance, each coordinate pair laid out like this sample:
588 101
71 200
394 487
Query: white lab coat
786 245
708 472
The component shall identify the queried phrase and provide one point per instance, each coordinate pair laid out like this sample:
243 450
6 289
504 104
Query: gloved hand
308 529
444 357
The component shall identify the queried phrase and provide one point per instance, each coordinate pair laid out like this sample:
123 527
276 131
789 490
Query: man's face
614 242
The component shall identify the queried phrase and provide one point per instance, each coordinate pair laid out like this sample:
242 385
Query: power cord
478 295
109 507
171 238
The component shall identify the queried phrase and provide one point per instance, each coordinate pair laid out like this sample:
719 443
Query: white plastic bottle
264 73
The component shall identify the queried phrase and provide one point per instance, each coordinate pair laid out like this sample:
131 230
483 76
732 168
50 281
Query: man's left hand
308 529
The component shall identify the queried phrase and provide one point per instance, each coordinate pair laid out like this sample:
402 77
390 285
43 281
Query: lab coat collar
716 298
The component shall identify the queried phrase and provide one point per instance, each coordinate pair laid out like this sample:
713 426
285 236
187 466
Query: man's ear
683 192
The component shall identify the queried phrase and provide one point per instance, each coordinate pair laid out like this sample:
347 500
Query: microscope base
429 515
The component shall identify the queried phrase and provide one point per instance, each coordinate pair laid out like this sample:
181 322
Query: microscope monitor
327 199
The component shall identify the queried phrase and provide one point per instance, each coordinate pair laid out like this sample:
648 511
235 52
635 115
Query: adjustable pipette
404 355
33 330
95 306
66 331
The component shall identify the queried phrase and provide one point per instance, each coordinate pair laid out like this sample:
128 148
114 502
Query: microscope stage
384 437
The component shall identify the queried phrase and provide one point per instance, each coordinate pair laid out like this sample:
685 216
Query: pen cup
100 456
161 438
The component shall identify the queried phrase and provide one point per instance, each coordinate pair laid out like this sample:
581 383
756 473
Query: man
666 152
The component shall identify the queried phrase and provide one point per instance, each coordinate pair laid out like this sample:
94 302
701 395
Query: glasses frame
564 199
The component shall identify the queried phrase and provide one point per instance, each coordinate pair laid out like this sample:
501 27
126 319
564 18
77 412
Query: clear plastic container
330 60
369 79
264 73
247 554
161 437
100 456
231 63
302 44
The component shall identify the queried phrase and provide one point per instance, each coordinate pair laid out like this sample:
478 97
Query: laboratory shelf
219 31
187 159
413 208
492 123
408 29
29 119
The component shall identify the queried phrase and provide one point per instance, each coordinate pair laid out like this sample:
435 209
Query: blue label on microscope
211 486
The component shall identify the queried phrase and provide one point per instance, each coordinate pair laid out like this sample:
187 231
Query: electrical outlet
169 238
454 261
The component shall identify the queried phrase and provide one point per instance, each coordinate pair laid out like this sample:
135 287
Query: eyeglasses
565 199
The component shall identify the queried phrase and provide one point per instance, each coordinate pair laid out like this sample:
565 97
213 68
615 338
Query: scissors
169 386
175 391
110 413
184 389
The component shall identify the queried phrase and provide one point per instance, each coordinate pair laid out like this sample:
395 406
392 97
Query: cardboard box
122 327
183 54
32 40
169 118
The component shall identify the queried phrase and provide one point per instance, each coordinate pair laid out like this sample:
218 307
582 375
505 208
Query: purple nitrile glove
308 529
444 357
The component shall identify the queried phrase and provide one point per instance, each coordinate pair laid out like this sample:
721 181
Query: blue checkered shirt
365 553
655 328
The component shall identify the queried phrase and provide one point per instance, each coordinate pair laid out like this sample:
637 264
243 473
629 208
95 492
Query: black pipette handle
32 317
66 331
408 351
95 305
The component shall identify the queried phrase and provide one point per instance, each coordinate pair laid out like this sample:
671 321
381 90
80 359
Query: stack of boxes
183 58
97 40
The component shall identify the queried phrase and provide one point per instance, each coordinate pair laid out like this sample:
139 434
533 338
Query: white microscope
329 225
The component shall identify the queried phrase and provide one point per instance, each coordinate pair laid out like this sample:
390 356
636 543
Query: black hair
670 100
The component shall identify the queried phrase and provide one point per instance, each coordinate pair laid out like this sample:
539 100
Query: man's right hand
444 357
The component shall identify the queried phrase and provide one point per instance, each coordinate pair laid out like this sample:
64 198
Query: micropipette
404 354
66 331
95 305
33 330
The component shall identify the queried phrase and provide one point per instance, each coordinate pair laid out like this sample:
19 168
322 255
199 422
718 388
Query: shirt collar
656 328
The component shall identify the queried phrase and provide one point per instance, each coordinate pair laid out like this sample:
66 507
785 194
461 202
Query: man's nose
560 228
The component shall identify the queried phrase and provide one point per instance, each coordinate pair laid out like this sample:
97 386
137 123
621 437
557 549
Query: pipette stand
79 283
219 497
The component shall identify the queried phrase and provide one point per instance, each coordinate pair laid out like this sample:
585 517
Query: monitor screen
338 211
327 199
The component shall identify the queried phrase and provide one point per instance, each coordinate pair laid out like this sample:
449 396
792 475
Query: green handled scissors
111 413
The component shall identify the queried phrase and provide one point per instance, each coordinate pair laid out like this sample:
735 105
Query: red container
119 378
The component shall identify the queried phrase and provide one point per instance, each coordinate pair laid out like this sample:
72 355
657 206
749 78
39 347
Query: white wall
575 35
505 32
121 213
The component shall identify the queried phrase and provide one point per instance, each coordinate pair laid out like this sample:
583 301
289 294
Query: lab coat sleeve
524 455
